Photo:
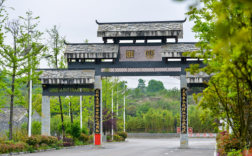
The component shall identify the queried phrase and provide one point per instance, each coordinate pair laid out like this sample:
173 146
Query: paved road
141 147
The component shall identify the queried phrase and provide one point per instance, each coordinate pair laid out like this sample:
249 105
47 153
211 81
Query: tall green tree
224 28
13 65
56 46
28 29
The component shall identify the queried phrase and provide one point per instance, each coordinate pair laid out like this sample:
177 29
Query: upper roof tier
141 29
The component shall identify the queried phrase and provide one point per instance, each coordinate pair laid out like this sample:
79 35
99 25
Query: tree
13 65
141 85
57 60
29 29
224 29
155 86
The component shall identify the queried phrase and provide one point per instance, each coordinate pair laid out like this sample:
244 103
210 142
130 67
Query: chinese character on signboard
149 54
183 122
130 53
97 111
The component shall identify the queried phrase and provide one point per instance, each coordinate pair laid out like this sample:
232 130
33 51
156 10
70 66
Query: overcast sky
77 20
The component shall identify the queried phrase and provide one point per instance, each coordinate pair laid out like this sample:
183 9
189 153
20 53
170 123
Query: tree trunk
28 84
62 118
71 112
11 108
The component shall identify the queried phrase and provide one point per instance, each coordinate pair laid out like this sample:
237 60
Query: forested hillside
153 108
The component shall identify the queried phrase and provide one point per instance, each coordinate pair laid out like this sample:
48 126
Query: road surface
141 147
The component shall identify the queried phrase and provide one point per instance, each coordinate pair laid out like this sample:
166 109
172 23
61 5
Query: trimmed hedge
123 134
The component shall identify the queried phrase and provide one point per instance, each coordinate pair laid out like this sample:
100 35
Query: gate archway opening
87 64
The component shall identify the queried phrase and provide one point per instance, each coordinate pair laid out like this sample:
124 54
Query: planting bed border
51 149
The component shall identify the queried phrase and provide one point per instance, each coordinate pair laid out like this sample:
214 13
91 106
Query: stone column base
98 147
184 147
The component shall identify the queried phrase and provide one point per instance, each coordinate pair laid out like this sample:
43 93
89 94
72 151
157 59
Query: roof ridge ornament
65 42
180 21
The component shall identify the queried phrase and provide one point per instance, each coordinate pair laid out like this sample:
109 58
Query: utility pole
112 116
30 99
81 110
124 111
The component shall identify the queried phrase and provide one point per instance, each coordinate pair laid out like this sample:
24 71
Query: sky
76 19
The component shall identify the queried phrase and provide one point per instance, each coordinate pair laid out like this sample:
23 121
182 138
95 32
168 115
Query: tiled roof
136 29
176 50
92 51
141 27
198 78
67 77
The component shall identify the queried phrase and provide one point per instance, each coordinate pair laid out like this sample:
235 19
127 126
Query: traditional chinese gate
125 59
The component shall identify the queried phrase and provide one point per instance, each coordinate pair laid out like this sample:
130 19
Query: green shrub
83 137
235 153
108 137
33 140
75 130
44 146
226 142
43 139
59 143
13 147
123 134
52 140
121 139
84 130
91 137
116 137
36 127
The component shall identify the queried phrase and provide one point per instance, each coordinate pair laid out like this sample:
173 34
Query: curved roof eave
180 21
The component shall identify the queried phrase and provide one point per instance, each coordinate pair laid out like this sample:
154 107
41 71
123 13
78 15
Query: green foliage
75 129
44 139
108 137
163 116
13 147
138 92
235 153
52 140
54 125
33 140
226 142
83 137
56 46
116 137
224 32
84 130
123 134
36 127
155 86
91 137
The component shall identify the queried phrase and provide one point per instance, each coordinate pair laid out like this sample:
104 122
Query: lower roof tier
67 76
128 52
